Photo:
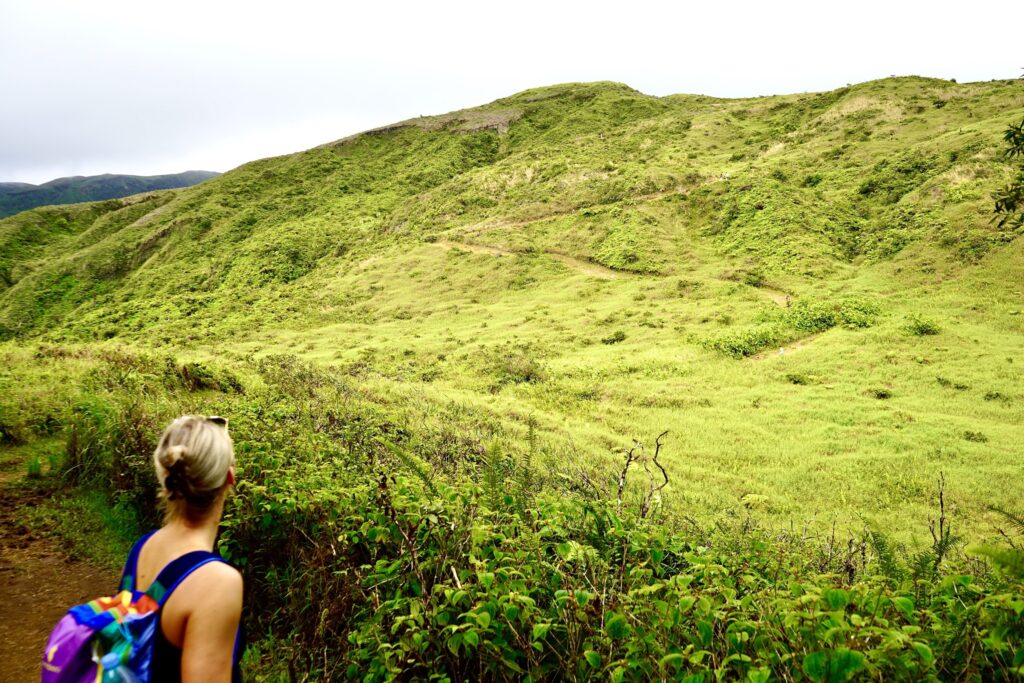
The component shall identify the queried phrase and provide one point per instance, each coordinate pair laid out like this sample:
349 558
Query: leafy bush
615 338
918 326
814 316
197 376
364 561
517 364
412 583
891 179
747 342
800 319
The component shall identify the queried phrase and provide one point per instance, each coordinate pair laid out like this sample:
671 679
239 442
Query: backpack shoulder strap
176 572
129 572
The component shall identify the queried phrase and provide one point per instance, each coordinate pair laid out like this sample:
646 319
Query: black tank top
167 660
166 663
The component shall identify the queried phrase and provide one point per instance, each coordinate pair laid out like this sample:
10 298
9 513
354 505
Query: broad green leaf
904 605
616 626
705 632
816 666
844 664
593 659
836 599
759 675
675 660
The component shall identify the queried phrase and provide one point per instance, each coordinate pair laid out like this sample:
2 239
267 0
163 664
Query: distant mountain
18 197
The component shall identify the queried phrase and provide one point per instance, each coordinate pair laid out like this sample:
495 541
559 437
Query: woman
197 638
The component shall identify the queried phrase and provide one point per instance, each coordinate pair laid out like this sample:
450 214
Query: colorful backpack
112 639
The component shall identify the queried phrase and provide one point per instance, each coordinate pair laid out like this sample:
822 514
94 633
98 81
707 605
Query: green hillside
807 292
16 197
437 256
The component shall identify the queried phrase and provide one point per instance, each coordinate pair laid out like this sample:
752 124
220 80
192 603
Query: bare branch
653 489
630 459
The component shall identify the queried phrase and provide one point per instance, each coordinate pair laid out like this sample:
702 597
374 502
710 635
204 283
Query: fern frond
1014 517
888 562
410 462
1010 561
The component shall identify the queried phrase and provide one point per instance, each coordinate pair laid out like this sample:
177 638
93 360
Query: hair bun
172 456
176 480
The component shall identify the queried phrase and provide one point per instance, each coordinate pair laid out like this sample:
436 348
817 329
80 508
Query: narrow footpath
38 583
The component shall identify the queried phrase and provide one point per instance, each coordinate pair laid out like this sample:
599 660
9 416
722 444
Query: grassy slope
671 207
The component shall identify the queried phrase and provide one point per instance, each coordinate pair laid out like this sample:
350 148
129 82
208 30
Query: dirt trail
504 223
585 267
791 347
777 295
38 583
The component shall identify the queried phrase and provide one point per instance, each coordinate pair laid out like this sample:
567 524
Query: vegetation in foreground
371 553
482 311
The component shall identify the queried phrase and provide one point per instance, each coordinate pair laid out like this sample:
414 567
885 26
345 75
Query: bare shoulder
215 583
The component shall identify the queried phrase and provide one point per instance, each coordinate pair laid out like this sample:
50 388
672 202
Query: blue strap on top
177 571
131 564
170 576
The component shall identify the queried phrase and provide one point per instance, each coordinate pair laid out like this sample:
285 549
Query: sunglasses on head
218 420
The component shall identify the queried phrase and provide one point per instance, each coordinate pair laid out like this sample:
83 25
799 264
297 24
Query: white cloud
110 86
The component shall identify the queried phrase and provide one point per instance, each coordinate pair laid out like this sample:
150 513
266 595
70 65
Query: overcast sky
148 87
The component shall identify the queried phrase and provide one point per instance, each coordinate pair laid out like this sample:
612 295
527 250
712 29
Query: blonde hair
192 461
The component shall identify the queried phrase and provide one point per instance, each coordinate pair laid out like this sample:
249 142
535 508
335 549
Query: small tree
1010 199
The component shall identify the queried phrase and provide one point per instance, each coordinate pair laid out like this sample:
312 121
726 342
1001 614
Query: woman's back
199 621
198 629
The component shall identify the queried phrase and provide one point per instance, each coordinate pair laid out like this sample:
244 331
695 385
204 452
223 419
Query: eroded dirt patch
38 584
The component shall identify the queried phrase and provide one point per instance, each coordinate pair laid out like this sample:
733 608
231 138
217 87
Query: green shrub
754 278
802 318
747 342
918 326
197 376
366 559
517 365
818 316
893 178
614 338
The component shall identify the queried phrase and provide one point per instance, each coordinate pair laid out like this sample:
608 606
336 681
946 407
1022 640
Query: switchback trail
791 347
38 582
585 267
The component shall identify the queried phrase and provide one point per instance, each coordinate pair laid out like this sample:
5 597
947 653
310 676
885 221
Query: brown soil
38 584
777 295
791 347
